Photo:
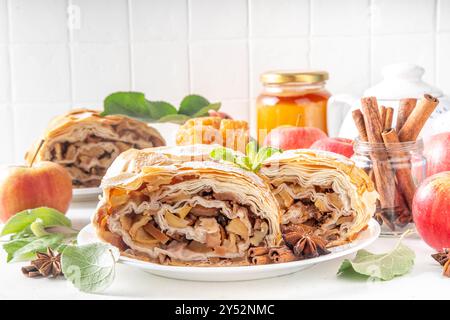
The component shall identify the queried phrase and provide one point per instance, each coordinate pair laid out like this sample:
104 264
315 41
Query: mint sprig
136 105
251 161
90 268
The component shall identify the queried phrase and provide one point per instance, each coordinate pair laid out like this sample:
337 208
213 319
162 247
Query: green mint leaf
224 154
131 104
203 112
38 228
91 268
263 154
251 150
17 252
192 104
13 245
159 109
244 163
22 220
174 118
386 266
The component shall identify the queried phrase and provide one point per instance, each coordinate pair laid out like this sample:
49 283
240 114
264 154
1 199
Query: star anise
303 243
444 260
46 264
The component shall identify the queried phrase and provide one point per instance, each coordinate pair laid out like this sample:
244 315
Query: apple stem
36 153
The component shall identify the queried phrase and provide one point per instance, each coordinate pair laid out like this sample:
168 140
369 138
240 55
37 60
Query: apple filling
176 223
317 206
87 153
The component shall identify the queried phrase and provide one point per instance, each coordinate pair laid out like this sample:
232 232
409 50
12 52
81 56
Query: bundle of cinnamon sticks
394 183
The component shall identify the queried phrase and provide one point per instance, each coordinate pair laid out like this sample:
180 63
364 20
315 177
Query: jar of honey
296 98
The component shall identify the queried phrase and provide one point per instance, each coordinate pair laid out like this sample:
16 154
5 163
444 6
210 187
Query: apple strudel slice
171 205
86 143
321 191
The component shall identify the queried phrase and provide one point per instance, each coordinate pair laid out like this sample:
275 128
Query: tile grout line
131 45
250 104
188 43
71 55
436 42
371 41
310 37
10 68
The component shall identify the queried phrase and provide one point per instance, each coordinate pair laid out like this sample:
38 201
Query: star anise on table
45 265
444 260
303 243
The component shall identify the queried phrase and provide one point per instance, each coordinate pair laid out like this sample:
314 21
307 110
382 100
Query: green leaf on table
192 104
397 262
25 249
91 268
203 112
22 220
160 109
175 118
131 104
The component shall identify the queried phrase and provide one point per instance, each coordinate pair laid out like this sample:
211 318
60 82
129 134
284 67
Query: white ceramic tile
3 22
275 54
101 21
343 17
30 122
271 18
40 72
100 69
6 134
443 63
238 109
403 16
159 19
96 105
347 61
38 21
418 49
219 70
4 74
443 15
218 19
161 70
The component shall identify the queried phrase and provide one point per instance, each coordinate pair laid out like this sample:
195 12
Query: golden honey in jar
292 98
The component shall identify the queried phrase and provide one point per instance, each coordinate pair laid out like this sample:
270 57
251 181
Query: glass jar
292 98
396 169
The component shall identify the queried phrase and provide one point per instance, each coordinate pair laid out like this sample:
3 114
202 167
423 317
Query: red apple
342 146
46 184
290 137
437 152
431 210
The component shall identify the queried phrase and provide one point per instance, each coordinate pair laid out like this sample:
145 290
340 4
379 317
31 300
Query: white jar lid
402 80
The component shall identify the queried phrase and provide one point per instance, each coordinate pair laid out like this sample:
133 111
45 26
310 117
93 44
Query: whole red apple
45 184
437 152
431 210
290 137
342 146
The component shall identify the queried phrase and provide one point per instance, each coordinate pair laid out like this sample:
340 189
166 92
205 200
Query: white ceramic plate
87 235
85 194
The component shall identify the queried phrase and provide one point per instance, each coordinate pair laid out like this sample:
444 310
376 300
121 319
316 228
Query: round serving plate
86 194
240 273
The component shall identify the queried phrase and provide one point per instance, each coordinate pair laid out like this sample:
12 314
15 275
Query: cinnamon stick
258 251
416 120
403 173
405 108
384 176
358 118
389 114
382 110
258 260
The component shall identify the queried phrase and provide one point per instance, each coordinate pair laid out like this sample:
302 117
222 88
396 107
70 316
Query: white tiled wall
60 54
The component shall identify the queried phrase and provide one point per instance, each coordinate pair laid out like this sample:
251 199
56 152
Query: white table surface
319 282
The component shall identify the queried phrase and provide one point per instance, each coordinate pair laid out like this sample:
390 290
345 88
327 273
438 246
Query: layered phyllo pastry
86 143
233 134
172 205
321 192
